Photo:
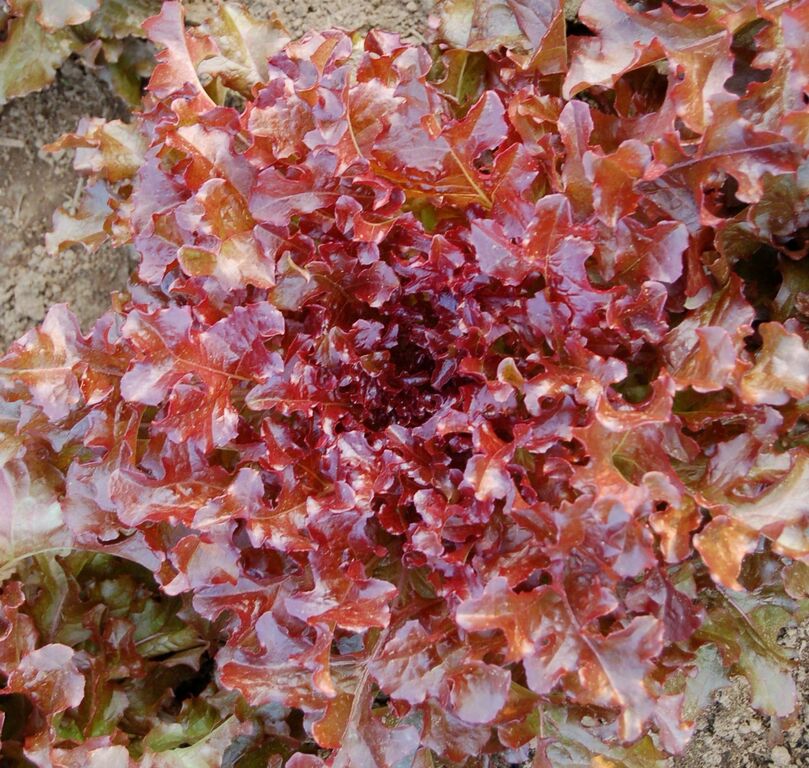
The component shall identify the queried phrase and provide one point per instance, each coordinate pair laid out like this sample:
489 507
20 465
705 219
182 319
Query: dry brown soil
33 184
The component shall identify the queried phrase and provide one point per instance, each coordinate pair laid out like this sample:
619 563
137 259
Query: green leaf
460 75
128 63
53 591
745 628
711 675
574 746
159 631
793 295
796 580
245 44
31 519
196 720
98 715
205 753
56 14
30 55
120 18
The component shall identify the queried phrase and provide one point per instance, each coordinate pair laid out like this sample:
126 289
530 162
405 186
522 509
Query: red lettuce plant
458 406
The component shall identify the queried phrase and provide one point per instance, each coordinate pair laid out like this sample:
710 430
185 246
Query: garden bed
730 734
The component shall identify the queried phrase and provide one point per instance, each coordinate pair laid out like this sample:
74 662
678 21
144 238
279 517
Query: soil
730 734
32 185
406 17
